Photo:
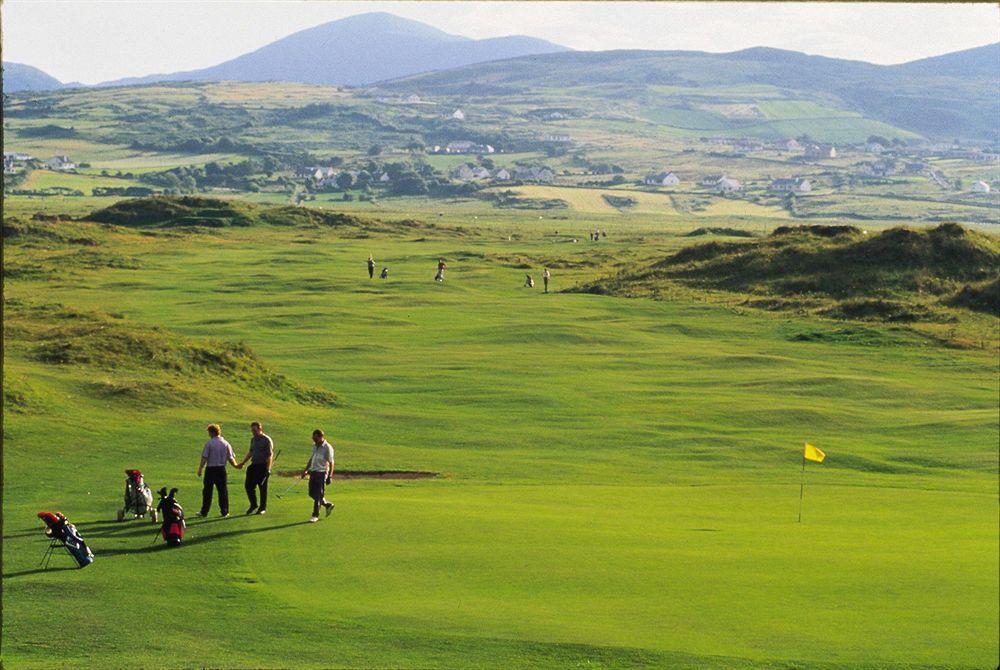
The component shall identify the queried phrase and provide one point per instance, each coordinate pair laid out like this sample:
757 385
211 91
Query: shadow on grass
197 539
34 571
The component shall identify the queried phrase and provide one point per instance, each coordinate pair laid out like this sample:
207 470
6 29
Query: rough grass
65 336
901 274
182 211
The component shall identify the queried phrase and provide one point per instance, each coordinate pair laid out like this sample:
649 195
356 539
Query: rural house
384 178
874 148
662 179
790 186
914 167
711 180
728 185
882 168
534 173
463 172
60 164
502 175
557 138
792 145
467 147
820 151
458 114
980 187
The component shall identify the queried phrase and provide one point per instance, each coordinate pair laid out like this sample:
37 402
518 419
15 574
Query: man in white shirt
319 469
214 456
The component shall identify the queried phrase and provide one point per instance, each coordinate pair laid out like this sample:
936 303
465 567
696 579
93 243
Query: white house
821 151
501 175
60 164
557 138
534 173
467 147
458 114
874 148
728 185
463 172
662 179
792 145
480 173
413 99
790 186
980 187
384 178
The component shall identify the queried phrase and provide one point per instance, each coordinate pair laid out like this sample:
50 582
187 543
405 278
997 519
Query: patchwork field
618 479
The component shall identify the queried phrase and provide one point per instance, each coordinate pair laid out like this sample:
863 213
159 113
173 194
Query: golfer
371 267
529 282
214 456
320 473
261 456
440 273
545 278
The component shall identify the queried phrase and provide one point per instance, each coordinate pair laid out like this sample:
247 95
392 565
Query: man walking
440 273
545 278
261 455
214 456
371 267
320 473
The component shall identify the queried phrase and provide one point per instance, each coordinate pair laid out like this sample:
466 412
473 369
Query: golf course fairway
617 480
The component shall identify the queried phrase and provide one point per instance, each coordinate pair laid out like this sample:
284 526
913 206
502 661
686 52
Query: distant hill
980 61
949 96
358 50
20 77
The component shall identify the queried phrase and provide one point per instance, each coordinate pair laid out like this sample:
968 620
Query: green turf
619 479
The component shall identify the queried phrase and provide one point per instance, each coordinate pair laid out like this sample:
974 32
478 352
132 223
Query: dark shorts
317 485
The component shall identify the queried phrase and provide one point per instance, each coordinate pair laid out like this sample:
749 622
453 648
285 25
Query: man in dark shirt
261 455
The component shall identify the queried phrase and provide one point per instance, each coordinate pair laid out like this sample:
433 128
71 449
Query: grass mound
61 336
46 231
900 275
184 211
984 297
728 232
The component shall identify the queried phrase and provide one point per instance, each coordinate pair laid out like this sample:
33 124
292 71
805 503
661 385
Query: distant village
876 160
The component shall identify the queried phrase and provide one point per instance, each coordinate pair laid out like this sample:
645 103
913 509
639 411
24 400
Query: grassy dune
618 479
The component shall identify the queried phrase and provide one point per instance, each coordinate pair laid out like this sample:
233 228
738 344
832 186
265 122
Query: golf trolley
138 498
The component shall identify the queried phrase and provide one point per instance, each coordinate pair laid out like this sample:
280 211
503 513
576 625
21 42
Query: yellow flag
814 454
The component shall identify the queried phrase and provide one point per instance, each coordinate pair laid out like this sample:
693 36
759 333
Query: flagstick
802 484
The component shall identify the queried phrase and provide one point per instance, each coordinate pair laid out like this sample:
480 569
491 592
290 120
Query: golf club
291 486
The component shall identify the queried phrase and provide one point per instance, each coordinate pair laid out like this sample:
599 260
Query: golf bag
59 530
173 524
138 497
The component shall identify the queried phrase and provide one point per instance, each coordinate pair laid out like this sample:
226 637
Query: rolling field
618 480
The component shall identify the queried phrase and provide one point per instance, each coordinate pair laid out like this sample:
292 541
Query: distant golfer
384 274
371 267
440 273
320 473
529 282
214 456
545 278
261 455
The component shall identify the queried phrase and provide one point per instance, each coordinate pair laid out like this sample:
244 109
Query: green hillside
899 275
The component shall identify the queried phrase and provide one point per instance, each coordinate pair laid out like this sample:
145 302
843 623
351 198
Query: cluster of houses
463 147
524 173
14 162
724 184
328 176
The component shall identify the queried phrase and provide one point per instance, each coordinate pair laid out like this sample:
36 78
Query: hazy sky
93 41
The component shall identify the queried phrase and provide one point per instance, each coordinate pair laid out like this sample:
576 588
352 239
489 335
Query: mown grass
619 477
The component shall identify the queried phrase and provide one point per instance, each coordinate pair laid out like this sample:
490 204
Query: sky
93 41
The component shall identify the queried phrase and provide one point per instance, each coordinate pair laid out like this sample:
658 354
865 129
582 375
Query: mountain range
954 94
